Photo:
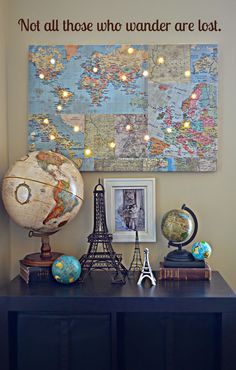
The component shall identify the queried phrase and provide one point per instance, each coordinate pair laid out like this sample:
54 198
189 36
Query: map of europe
125 107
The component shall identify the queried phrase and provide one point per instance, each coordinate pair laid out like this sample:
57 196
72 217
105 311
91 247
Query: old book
184 273
35 273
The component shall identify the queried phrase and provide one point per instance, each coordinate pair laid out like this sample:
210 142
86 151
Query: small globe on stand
42 191
179 227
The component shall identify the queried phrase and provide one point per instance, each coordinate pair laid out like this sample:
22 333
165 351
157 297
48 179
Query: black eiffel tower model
136 263
100 239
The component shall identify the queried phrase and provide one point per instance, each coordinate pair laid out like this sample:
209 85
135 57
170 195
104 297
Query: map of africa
125 107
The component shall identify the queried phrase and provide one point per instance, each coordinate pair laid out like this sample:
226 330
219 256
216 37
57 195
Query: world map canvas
126 107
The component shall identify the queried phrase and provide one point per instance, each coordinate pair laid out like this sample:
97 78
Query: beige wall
211 196
4 230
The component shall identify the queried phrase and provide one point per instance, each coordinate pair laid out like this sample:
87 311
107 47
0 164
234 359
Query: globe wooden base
35 259
46 257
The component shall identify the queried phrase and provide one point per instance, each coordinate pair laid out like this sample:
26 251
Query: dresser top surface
98 284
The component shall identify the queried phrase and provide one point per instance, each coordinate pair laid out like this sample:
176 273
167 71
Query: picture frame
131 203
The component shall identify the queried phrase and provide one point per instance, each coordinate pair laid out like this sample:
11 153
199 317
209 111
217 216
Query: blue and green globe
66 269
201 250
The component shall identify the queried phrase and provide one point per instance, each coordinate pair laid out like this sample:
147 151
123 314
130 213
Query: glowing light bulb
95 69
130 50
169 130
128 127
88 152
65 94
46 121
59 107
186 124
187 73
146 137
194 96
52 61
145 73
124 77
112 145
76 128
41 76
52 137
160 60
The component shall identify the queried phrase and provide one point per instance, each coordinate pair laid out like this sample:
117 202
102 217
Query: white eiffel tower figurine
146 270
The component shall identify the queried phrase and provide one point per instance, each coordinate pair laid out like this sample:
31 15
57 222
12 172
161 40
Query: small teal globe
66 269
201 250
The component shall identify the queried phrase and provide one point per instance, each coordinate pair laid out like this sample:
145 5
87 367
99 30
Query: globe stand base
182 258
46 257
35 259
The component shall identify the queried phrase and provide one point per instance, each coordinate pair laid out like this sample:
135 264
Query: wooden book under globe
184 273
35 274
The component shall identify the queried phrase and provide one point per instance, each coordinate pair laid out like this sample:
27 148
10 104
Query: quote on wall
67 25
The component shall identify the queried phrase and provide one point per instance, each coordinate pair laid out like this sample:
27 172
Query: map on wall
125 107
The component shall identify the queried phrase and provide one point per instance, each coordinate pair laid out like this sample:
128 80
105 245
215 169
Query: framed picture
130 205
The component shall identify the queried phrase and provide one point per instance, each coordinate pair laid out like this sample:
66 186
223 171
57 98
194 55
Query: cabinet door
197 341
59 342
159 341
143 338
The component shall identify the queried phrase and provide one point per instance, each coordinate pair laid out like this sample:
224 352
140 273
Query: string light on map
187 73
41 76
130 50
52 137
145 73
46 121
52 61
65 94
112 145
194 96
76 128
186 124
87 152
95 69
146 137
124 78
59 107
160 60
128 127
169 130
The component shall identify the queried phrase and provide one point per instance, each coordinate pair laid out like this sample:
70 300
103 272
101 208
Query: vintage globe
66 269
177 225
43 191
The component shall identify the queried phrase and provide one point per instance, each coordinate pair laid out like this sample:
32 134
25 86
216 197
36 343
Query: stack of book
184 273
35 273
